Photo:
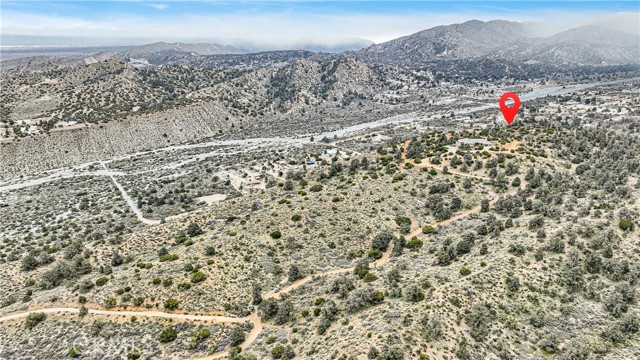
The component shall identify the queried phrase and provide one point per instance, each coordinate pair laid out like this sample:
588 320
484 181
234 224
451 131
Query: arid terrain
361 205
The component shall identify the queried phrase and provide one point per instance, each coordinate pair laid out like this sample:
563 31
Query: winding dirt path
254 318
151 313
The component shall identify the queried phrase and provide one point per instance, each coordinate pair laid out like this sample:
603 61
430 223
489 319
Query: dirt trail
160 314
254 318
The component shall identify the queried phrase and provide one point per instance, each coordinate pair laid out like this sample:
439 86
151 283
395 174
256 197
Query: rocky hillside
459 41
297 85
590 45
507 41
196 49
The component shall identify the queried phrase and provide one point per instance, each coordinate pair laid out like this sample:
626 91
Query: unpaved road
254 318
280 142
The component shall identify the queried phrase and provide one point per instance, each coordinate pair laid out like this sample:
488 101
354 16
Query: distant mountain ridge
511 41
195 49
469 42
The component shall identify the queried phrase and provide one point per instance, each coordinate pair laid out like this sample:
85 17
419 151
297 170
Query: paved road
255 143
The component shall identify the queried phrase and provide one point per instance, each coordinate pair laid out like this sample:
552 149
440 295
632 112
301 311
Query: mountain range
511 41
472 41
497 39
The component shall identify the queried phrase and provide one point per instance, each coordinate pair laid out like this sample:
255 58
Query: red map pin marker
509 113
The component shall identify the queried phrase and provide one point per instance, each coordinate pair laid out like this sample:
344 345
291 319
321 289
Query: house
331 152
34 130
253 183
66 123
472 142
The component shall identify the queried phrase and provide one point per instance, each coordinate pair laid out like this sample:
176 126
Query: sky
280 23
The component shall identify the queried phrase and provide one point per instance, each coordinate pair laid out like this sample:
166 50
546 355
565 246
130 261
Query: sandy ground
211 199
254 317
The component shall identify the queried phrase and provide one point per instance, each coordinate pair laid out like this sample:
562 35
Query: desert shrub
414 294
74 352
362 298
479 319
34 319
342 286
237 336
64 270
556 245
276 234
513 283
370 277
316 188
183 286
432 326
382 240
374 254
9 300
414 243
393 353
29 262
110 302
277 352
168 334
138 301
285 312
102 280
294 273
168 257
171 304
517 249
194 230
400 220
198 277
428 229
268 308
464 271
256 293
625 224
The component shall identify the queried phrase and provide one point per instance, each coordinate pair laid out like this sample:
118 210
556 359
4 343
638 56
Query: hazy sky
281 22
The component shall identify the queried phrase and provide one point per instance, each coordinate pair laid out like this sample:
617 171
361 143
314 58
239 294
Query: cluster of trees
281 313
75 263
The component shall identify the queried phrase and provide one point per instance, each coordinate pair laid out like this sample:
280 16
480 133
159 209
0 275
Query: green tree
382 240
34 319
414 294
194 230
168 334
171 304
198 277
110 302
237 336
294 273
29 262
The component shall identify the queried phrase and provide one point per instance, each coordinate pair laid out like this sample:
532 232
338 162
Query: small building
34 130
253 183
472 142
311 163
66 123
331 152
